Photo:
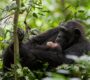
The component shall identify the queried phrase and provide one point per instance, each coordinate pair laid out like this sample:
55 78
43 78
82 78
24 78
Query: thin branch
6 16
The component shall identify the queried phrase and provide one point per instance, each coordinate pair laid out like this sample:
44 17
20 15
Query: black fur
69 35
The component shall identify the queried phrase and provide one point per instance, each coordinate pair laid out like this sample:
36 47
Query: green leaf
35 15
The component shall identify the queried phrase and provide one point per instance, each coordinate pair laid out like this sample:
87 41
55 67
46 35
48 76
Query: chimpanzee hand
21 34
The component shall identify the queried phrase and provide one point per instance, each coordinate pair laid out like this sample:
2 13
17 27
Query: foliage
40 15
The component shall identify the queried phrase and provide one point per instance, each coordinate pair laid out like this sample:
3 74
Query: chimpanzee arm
74 52
8 58
54 57
78 49
40 39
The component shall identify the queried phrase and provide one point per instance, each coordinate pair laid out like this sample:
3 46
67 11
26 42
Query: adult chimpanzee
53 47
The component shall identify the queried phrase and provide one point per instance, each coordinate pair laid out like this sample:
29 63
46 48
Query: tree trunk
16 42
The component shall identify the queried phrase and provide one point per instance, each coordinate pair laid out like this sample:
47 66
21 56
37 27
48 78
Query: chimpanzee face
67 35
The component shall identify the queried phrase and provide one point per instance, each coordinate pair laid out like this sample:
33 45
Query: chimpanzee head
70 33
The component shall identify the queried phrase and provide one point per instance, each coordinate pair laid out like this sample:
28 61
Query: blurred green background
41 15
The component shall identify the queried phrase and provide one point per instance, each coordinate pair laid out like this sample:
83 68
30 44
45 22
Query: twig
6 16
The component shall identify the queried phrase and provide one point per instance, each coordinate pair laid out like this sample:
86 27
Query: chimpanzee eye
62 29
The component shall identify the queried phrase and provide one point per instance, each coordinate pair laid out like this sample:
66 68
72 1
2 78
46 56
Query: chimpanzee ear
77 33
